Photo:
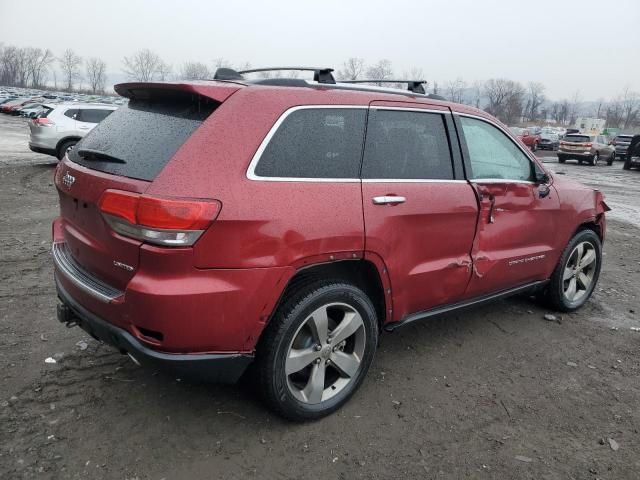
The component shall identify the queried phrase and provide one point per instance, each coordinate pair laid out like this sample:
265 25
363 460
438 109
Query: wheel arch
66 139
364 273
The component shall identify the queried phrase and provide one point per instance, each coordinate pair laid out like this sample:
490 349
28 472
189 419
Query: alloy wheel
579 272
326 353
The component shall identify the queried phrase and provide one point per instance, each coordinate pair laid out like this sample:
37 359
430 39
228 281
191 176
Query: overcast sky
588 46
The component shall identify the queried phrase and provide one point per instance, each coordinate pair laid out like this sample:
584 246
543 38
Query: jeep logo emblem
68 180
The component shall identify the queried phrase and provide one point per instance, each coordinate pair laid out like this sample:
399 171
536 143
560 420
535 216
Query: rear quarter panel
262 223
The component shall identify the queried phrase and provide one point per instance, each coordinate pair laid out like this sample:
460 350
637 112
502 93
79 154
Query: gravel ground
498 392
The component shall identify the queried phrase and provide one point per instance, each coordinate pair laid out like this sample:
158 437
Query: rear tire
611 159
593 161
577 272
561 159
627 163
65 147
309 361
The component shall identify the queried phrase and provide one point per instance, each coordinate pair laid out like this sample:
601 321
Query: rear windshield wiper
98 155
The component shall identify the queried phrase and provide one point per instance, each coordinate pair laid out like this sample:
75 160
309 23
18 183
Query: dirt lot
497 393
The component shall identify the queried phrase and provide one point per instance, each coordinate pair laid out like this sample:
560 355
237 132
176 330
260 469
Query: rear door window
315 143
71 113
406 145
140 138
93 115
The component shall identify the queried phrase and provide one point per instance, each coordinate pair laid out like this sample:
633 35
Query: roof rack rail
414 86
320 74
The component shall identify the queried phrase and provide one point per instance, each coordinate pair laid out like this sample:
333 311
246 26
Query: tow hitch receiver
66 315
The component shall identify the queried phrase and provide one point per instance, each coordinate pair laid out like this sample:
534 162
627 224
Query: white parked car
61 126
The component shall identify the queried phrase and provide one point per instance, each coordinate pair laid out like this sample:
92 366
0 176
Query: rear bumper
573 154
45 150
218 368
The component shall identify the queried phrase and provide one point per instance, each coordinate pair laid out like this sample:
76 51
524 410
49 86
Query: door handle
388 200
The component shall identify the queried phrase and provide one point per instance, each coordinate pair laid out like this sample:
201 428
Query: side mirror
542 178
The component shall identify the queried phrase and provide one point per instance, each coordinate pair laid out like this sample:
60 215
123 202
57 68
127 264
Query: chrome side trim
501 180
410 180
410 109
67 266
251 174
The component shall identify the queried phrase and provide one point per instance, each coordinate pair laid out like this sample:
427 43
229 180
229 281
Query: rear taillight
160 220
43 122
588 145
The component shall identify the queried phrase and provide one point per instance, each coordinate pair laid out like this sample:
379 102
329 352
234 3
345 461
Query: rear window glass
406 145
624 138
140 138
315 143
577 138
93 115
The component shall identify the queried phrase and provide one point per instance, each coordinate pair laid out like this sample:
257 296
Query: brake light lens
43 122
588 145
159 220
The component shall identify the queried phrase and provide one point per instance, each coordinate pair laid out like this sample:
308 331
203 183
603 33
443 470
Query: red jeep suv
284 224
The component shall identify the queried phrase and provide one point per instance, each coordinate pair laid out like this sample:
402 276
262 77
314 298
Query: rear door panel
425 241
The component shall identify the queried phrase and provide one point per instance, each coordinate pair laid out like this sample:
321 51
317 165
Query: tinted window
577 138
143 135
71 113
315 143
93 115
492 154
406 145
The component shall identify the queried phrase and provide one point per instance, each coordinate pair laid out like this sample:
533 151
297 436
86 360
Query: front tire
577 272
562 159
611 159
317 349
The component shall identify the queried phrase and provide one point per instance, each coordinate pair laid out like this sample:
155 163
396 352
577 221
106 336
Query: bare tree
352 69
380 71
535 99
70 63
165 71
142 66
574 107
96 74
21 67
9 65
506 99
476 90
195 71
454 90
599 108
629 108
613 115
38 63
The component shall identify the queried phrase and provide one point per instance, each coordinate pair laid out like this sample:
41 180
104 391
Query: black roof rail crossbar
415 86
320 74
